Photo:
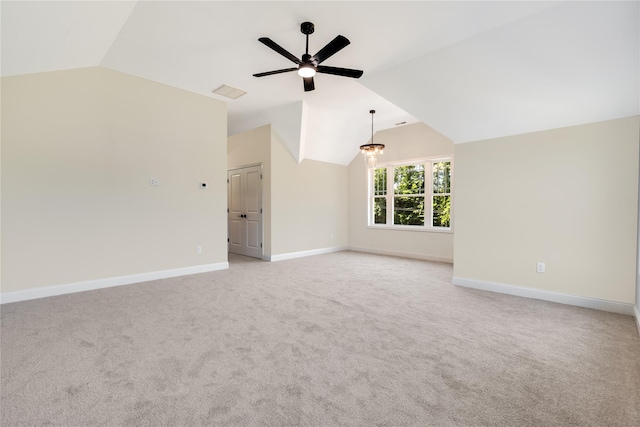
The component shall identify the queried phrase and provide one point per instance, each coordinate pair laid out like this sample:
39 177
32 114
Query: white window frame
428 195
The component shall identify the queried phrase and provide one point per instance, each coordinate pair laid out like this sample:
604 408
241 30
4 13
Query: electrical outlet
198 249
331 236
540 267
153 182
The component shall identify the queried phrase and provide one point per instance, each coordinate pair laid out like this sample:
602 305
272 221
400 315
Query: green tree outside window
410 192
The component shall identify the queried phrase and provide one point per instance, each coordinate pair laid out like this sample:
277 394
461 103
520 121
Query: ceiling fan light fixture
371 150
308 65
306 70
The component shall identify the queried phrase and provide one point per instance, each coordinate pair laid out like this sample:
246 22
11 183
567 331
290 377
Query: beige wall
304 204
408 142
308 201
78 150
253 148
566 197
637 308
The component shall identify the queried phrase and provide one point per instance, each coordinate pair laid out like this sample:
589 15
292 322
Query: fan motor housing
308 59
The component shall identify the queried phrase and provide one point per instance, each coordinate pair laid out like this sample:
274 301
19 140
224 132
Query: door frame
235 168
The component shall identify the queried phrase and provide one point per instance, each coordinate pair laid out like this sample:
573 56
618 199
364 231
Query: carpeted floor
344 339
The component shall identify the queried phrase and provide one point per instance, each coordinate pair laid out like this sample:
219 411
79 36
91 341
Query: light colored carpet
344 339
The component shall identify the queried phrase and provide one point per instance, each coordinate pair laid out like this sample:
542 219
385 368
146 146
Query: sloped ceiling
572 64
471 70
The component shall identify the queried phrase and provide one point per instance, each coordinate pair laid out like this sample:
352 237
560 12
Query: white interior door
245 211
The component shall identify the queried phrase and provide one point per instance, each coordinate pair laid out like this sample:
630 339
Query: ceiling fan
309 65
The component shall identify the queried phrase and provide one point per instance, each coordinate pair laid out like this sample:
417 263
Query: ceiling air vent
229 92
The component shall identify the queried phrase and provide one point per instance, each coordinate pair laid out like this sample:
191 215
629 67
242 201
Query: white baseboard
598 304
49 291
402 254
637 310
301 254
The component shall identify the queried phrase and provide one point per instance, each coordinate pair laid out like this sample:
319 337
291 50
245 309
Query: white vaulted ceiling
470 70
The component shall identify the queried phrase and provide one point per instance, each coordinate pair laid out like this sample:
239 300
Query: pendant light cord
372 113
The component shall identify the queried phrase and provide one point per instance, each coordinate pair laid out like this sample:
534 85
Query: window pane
408 179
442 177
380 182
379 210
441 211
408 210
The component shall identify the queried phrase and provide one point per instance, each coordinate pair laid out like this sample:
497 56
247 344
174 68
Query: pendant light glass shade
371 150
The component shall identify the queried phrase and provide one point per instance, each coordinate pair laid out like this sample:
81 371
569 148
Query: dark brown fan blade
345 72
275 46
334 46
308 84
268 73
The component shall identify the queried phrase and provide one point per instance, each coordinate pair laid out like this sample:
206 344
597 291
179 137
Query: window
411 195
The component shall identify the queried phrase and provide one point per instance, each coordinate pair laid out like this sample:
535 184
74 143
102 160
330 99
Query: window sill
411 228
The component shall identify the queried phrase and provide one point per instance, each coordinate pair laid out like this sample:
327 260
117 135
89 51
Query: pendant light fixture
371 150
